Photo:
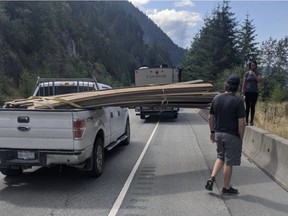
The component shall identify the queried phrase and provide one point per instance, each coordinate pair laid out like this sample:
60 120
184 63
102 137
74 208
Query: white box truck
155 76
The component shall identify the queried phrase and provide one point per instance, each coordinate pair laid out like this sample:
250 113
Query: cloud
184 3
178 25
139 2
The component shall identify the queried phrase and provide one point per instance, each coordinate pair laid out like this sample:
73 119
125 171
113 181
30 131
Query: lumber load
186 94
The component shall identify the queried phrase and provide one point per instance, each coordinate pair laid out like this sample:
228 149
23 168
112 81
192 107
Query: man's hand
212 137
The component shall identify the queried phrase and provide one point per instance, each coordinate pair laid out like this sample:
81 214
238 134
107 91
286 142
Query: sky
181 20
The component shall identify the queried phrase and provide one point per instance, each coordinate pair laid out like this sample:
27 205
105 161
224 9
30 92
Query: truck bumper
12 157
156 110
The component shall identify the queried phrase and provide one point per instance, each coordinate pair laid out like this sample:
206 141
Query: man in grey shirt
227 126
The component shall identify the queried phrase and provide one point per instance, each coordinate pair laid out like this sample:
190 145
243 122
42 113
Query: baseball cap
233 80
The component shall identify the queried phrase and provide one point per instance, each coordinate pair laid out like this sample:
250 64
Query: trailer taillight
78 128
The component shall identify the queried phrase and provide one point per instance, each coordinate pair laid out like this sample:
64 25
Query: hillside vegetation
73 39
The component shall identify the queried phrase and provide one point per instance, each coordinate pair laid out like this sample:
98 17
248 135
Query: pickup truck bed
46 137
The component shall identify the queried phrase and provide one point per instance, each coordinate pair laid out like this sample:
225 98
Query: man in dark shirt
227 126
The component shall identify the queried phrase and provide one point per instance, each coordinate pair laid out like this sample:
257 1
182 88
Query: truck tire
142 116
11 172
97 159
175 115
127 133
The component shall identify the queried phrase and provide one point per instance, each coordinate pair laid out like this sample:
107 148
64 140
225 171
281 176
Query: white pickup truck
74 137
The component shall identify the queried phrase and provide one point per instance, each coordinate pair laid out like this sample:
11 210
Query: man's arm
241 127
211 121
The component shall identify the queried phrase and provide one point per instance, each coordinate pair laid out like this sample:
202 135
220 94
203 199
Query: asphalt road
162 172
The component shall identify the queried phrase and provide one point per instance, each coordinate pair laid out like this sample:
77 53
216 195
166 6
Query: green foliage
274 59
109 40
246 46
72 39
279 93
220 82
27 85
271 90
7 90
274 62
2 100
214 48
218 51
152 34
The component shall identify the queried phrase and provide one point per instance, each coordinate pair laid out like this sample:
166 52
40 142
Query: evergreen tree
246 42
274 61
214 47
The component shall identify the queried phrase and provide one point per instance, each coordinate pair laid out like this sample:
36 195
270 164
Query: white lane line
125 188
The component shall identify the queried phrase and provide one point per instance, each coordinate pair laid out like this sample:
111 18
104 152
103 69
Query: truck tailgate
36 129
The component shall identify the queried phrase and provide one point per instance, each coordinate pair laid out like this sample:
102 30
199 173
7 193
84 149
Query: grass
272 117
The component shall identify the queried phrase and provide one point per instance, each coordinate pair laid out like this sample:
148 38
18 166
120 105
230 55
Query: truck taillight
78 128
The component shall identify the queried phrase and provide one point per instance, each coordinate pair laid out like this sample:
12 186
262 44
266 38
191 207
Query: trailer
154 76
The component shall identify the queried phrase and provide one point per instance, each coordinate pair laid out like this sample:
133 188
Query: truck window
48 91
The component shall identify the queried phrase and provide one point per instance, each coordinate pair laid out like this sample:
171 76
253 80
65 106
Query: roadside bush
219 83
8 91
279 93
1 100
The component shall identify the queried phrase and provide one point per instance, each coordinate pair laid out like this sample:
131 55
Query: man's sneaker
209 184
229 191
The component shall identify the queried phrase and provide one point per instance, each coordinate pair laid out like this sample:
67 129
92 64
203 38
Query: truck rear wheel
97 159
11 172
175 115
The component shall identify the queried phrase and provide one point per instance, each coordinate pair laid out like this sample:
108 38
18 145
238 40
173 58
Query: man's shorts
229 148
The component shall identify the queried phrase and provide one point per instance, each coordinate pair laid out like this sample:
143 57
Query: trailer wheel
127 133
97 159
11 172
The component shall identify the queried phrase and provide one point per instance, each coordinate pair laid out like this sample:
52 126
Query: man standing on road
227 126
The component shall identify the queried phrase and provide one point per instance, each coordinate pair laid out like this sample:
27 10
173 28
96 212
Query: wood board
180 94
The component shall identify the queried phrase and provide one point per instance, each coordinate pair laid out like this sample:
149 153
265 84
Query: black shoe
229 191
209 184
251 123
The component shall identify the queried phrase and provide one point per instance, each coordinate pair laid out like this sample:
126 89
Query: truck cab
58 86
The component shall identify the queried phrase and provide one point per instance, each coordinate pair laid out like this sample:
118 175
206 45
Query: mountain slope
76 39
153 34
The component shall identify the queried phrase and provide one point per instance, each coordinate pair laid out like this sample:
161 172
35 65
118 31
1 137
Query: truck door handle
111 114
23 128
23 119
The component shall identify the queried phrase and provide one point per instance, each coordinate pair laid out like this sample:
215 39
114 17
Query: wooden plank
186 94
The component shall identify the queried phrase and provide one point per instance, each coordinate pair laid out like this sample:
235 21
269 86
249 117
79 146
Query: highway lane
169 180
67 191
